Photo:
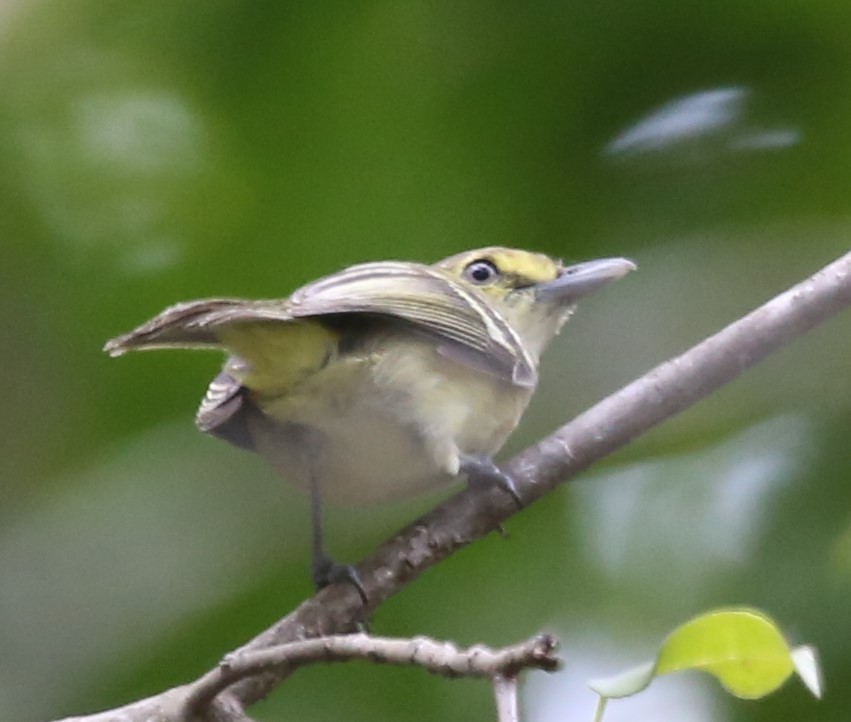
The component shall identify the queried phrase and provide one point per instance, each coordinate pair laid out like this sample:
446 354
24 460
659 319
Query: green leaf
743 648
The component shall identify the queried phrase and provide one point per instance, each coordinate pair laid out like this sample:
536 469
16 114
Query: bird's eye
481 272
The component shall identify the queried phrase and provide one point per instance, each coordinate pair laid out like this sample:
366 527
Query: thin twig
505 694
442 658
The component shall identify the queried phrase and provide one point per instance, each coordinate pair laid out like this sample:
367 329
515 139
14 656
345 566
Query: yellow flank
278 355
325 395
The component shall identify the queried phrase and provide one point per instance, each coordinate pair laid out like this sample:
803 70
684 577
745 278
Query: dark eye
481 272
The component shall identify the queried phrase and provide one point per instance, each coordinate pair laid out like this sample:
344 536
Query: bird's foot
482 470
326 571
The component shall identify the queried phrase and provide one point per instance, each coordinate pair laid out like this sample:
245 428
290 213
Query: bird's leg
325 570
480 469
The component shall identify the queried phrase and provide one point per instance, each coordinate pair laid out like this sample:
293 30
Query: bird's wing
191 324
466 326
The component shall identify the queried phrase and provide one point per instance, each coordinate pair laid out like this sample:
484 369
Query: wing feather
432 300
429 299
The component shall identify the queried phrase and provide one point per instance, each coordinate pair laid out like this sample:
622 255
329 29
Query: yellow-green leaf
743 648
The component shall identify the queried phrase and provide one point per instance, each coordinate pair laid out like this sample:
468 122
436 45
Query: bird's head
535 293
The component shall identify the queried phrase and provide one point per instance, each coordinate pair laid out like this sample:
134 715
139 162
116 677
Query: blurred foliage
157 151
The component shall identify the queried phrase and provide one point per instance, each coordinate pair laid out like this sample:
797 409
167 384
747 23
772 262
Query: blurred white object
721 117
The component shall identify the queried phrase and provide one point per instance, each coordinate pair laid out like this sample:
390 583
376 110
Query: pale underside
358 425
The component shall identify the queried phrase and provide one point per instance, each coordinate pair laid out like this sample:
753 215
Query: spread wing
466 327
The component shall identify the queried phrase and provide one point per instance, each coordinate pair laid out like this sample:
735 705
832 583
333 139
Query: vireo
384 379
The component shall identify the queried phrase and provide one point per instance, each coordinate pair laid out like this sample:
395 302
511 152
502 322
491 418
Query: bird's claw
326 571
482 470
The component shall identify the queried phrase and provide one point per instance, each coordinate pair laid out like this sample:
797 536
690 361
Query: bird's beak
577 281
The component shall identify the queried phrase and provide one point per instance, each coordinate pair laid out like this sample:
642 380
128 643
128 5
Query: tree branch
442 658
666 390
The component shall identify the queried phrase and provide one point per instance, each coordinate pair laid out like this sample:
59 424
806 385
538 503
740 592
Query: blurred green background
158 150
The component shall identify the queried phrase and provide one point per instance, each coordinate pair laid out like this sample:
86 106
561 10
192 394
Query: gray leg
325 570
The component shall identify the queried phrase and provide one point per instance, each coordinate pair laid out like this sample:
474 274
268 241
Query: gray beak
577 281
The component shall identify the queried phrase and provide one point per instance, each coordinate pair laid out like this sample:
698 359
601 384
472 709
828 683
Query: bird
384 379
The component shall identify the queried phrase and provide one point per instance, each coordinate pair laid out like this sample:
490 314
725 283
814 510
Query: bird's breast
389 422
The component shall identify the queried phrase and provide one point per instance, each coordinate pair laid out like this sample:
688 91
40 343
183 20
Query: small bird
382 380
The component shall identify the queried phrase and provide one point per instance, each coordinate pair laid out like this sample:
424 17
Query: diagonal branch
666 390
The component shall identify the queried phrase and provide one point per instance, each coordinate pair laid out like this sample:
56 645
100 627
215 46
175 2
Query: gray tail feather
224 411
